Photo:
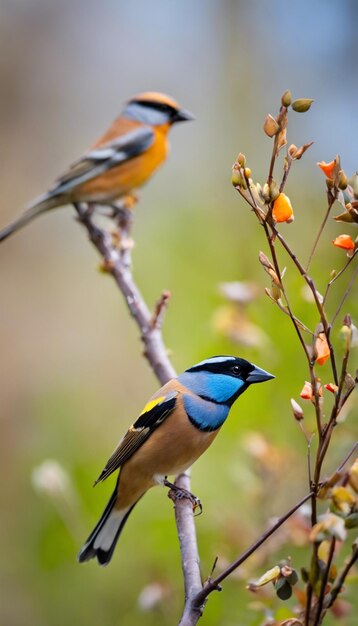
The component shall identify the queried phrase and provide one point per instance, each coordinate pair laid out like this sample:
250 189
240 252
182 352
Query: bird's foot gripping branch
178 493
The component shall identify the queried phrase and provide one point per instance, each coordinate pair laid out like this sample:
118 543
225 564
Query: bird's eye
235 370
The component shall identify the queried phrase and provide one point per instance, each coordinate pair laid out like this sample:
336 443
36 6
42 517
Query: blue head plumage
217 382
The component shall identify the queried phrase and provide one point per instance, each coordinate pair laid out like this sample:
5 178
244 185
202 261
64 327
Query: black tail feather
104 555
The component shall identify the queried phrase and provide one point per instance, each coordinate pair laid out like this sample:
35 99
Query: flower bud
266 193
297 410
274 190
302 105
241 159
342 180
275 290
236 178
354 184
265 261
286 98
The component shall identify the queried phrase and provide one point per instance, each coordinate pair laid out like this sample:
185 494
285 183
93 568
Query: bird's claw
178 493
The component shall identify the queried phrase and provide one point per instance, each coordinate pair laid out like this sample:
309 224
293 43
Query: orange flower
282 209
307 392
322 349
331 387
327 168
344 241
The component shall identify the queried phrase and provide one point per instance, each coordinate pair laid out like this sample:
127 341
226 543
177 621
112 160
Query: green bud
241 159
266 193
286 98
302 105
236 178
274 190
342 180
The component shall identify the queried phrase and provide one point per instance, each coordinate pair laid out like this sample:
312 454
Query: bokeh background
71 373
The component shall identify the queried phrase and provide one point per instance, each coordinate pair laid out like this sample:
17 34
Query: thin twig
213 584
324 582
331 201
154 348
339 582
350 285
350 453
333 280
311 285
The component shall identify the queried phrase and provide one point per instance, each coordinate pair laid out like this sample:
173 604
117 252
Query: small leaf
283 589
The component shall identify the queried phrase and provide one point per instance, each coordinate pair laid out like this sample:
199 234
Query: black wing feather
145 425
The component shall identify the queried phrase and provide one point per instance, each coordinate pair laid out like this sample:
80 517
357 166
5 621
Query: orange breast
171 449
126 177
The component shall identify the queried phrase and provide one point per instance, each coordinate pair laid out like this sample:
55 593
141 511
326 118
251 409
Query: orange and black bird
122 160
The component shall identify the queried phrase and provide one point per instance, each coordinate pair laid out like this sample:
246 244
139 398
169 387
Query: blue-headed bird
177 425
120 162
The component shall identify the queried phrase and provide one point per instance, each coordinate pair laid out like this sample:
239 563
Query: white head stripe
215 359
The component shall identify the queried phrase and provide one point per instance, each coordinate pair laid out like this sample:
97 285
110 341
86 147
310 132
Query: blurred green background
72 376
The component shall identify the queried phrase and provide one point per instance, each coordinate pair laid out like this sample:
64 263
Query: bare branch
154 348
117 262
331 200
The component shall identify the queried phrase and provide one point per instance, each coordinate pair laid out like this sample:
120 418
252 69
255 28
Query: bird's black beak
182 116
257 375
